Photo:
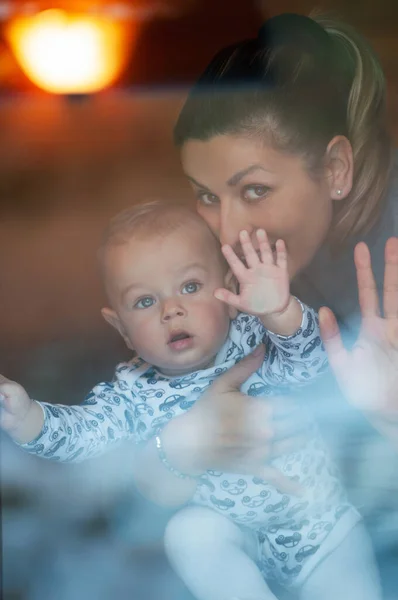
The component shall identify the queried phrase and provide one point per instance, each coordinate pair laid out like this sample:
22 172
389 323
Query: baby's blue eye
146 302
191 288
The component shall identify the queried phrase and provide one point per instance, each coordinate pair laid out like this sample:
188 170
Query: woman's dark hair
298 84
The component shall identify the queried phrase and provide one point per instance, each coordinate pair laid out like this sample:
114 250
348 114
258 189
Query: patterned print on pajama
294 532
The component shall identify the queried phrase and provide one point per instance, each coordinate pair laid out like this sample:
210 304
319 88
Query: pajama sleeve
297 358
289 360
74 433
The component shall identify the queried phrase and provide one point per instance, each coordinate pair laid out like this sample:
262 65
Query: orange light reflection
66 53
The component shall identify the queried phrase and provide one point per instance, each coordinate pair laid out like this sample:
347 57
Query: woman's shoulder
387 225
330 279
392 194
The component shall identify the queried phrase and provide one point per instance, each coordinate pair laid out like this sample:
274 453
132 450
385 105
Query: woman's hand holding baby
21 417
229 431
264 285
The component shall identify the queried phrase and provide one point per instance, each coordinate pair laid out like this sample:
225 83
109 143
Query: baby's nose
172 309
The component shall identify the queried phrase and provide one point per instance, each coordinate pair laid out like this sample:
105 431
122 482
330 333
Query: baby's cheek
144 340
221 323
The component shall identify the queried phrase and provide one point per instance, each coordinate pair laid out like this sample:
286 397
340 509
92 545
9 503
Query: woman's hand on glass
368 373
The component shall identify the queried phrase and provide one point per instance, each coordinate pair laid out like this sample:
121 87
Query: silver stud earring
339 192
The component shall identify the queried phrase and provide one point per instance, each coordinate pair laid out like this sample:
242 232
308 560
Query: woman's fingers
281 482
239 373
392 333
390 291
289 426
367 290
290 444
331 338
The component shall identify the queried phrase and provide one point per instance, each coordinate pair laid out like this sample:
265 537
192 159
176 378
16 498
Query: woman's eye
206 198
146 302
255 192
191 288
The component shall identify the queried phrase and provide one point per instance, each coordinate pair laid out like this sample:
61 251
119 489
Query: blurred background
71 156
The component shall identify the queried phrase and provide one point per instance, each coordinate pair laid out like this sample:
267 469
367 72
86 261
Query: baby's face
162 291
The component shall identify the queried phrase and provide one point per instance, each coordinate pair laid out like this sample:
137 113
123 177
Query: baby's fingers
5 398
228 297
267 256
237 266
251 256
5 385
281 254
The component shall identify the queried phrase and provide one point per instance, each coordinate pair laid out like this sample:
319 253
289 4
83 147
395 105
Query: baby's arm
297 358
288 360
66 433
73 433
294 349
21 417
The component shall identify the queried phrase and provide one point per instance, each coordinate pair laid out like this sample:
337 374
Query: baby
165 279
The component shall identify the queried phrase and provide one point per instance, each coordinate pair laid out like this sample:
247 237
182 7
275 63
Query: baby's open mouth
177 336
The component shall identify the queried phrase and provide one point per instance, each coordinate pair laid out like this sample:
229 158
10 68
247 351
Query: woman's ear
339 167
112 318
232 285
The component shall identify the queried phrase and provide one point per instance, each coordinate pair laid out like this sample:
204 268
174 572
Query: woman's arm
153 479
368 373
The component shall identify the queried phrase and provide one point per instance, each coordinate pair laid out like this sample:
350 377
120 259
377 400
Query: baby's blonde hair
153 218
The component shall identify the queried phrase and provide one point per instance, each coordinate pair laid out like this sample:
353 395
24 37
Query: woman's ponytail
366 129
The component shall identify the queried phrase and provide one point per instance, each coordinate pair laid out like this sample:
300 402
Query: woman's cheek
209 216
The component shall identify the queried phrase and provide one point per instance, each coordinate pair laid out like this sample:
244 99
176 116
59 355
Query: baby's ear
232 285
112 318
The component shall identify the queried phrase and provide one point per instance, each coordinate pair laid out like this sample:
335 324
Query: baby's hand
15 407
264 286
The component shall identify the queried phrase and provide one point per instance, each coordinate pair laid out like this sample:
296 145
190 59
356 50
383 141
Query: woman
287 132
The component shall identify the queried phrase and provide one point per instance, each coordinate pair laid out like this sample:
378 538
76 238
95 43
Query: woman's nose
231 224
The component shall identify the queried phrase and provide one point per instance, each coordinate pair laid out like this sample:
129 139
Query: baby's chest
154 406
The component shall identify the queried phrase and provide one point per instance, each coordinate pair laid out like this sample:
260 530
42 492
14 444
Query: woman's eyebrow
200 185
235 179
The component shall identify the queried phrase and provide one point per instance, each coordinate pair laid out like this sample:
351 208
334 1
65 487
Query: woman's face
242 183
